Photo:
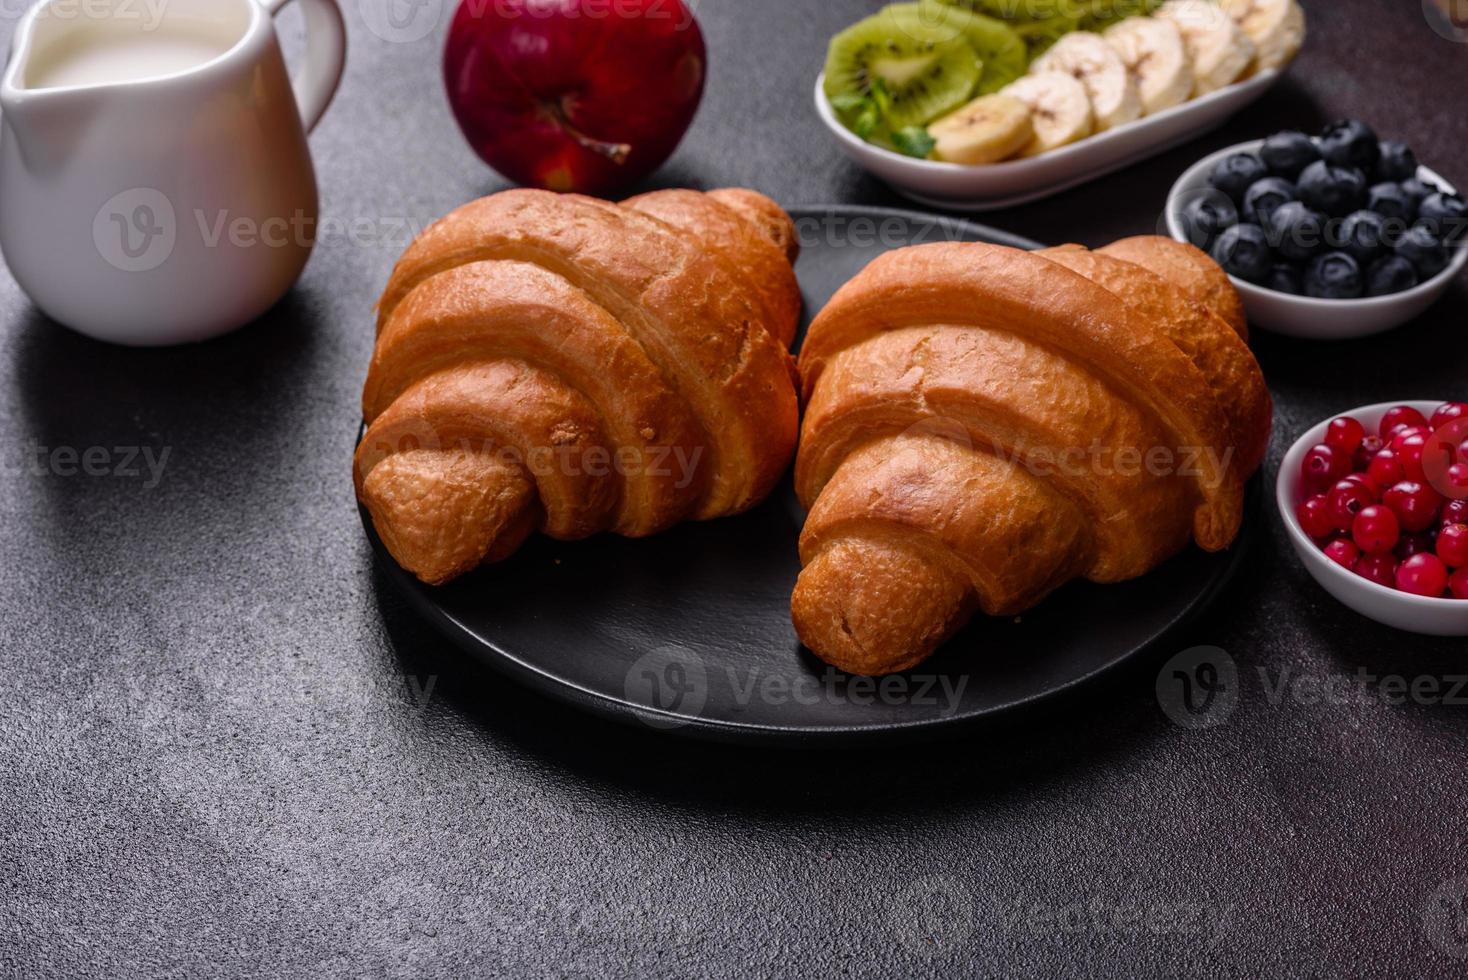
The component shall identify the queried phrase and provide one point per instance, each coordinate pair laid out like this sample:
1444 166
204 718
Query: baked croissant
978 427
563 364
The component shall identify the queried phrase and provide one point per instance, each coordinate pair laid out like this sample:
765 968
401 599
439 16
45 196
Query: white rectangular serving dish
961 187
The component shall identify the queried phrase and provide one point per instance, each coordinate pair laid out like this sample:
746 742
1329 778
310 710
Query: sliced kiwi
1039 35
1040 23
903 74
1024 10
1001 50
1101 14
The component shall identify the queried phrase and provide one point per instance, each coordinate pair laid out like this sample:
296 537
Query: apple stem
615 152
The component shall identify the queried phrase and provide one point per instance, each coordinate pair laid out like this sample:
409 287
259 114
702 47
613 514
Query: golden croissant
985 424
561 364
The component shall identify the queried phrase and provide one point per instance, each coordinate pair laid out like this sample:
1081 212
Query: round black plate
689 631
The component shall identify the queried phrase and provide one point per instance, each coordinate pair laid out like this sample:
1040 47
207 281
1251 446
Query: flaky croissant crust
947 387
561 363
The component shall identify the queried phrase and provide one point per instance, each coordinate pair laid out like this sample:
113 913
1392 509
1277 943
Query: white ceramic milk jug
155 183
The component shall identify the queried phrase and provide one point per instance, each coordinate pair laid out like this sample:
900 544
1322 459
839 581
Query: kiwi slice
1039 35
1001 50
1101 14
1040 23
882 76
1024 10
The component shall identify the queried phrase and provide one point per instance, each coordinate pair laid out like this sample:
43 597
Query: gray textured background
226 748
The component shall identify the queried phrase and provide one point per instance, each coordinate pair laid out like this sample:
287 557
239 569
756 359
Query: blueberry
1392 274
1391 201
1233 174
1444 214
1334 275
1417 190
1287 153
1283 278
1332 190
1206 216
1350 143
1264 196
1397 162
1243 251
1424 250
1296 231
1363 236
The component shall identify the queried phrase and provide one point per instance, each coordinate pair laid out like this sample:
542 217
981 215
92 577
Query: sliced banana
1059 106
1277 28
1153 51
989 129
1097 66
1220 49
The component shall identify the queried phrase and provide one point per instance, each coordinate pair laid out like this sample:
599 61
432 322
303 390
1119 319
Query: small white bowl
963 187
1413 613
1306 316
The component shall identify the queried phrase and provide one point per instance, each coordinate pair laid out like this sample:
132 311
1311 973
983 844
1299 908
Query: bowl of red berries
1326 237
1376 504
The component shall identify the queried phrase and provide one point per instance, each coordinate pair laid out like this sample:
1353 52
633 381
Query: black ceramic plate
689 631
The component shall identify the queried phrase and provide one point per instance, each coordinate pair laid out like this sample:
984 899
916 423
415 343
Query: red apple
575 95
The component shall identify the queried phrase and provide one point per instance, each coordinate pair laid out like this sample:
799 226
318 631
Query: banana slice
1097 66
1277 28
1220 49
988 129
1059 106
1153 52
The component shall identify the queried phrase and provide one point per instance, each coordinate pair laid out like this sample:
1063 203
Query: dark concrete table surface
226 748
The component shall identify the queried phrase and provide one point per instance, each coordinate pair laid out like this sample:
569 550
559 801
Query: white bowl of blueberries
1328 237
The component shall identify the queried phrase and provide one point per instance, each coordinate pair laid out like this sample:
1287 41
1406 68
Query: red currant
1406 432
1345 434
1455 481
1324 467
1458 584
1314 516
1381 569
1343 553
1423 574
1455 512
1370 446
1346 499
1447 412
1399 416
1452 545
1414 544
1376 530
1409 451
1386 470
1416 505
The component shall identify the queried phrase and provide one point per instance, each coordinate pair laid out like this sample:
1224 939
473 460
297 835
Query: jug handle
326 56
